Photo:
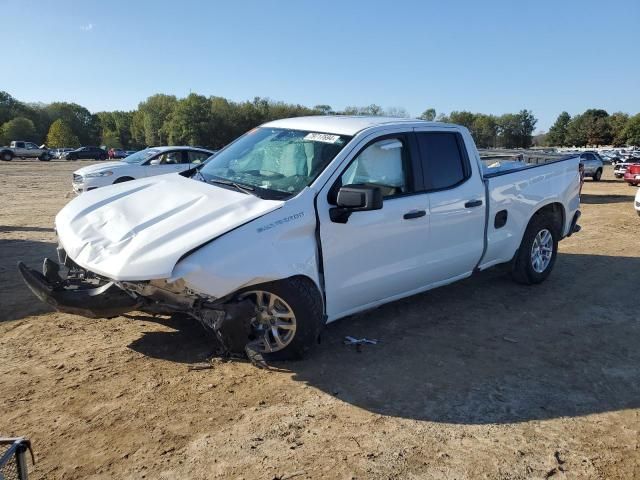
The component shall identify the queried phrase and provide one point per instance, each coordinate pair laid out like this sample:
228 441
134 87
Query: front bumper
80 297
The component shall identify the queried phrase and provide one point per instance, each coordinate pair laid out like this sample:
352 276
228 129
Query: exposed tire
302 296
123 179
525 270
597 176
6 156
45 157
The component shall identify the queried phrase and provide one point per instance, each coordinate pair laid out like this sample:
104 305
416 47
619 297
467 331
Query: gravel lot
480 379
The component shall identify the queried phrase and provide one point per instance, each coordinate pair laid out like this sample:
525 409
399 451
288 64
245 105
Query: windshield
277 160
141 156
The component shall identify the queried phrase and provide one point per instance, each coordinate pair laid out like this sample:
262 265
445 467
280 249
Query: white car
145 163
304 221
636 203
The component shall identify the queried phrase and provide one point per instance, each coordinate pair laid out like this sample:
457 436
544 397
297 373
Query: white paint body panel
138 230
145 229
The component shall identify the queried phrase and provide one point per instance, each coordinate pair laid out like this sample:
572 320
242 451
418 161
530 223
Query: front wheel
288 317
45 157
537 253
597 176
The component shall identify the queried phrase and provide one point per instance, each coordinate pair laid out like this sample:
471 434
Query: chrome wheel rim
274 322
542 251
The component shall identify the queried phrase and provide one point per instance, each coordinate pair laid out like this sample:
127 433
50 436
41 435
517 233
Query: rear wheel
537 253
6 156
597 176
288 317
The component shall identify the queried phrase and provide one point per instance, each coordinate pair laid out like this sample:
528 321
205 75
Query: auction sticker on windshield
322 137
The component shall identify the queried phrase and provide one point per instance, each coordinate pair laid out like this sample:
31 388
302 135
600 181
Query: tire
45 157
102 157
303 298
524 270
123 179
6 156
598 175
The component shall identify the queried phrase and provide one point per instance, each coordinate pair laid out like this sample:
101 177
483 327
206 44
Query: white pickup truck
304 221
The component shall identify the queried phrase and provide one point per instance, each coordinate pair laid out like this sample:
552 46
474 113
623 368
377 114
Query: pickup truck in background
21 149
303 221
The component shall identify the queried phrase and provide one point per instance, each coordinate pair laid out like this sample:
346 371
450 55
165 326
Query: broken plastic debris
359 341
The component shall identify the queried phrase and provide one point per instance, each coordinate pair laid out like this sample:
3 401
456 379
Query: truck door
376 254
457 204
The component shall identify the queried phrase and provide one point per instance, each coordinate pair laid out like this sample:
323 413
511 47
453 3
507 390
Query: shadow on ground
15 228
484 350
16 300
591 199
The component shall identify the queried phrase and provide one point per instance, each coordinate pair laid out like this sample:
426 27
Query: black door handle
414 214
473 203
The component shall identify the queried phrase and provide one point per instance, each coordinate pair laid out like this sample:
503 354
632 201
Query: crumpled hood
138 230
99 167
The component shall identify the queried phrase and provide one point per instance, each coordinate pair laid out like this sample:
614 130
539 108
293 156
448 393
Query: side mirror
155 162
355 198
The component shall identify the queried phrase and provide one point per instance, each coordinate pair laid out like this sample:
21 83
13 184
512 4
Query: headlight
99 174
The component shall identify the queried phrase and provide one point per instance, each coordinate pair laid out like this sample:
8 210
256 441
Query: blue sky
484 56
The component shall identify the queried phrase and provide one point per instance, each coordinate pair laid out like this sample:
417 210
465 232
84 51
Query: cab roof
344 124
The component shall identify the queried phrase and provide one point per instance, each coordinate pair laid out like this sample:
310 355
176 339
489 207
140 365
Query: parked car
593 165
116 153
22 149
59 152
632 174
86 153
304 221
145 163
636 203
621 168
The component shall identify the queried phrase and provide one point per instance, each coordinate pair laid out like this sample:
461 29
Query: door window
381 164
197 157
444 165
170 158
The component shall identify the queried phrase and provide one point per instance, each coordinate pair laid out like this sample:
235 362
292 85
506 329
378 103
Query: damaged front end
69 288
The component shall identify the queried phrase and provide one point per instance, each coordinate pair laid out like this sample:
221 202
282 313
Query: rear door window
444 163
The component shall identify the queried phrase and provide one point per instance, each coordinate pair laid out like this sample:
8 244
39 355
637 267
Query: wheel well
555 211
123 179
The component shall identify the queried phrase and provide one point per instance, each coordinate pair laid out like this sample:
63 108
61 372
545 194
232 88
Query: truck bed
520 186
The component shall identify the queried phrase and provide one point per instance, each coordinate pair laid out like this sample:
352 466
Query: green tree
60 135
632 131
156 111
18 128
617 124
463 118
484 130
557 135
84 125
190 123
429 114
324 109
596 128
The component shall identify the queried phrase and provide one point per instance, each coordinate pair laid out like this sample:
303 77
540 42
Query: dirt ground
480 379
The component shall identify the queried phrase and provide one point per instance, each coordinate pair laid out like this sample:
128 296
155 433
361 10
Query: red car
632 175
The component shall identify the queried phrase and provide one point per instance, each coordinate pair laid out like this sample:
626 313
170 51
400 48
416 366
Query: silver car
593 165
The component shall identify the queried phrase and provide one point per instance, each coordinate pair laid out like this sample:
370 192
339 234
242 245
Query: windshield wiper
249 190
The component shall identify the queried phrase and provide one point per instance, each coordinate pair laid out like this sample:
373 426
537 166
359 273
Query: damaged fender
257 252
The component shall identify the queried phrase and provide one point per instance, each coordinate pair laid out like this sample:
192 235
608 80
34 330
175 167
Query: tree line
594 127
215 121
